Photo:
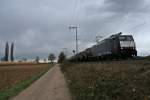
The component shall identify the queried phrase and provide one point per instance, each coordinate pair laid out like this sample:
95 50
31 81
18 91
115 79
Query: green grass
14 90
124 80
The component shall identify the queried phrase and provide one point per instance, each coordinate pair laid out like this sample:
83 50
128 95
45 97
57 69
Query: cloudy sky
39 27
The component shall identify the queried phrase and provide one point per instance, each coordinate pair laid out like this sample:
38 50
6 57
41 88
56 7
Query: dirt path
51 86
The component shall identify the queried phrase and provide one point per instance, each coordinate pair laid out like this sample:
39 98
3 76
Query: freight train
115 47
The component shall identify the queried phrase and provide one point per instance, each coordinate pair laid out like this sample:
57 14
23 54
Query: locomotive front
127 45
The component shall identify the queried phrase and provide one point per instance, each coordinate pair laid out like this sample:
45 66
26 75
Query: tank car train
116 46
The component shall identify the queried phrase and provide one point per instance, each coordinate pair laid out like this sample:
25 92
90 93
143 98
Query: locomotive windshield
126 38
126 41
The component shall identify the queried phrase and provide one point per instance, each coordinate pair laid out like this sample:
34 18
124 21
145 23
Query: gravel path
51 86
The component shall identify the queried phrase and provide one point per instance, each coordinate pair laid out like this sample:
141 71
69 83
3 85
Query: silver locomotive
116 46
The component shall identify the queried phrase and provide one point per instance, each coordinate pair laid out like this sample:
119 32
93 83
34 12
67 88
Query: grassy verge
14 90
124 80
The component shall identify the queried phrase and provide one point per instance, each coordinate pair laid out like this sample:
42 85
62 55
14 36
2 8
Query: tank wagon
116 46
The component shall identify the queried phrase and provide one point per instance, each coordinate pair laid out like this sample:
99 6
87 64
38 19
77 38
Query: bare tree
51 57
37 59
61 57
44 60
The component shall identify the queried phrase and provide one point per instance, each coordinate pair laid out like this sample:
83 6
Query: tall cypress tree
6 51
12 52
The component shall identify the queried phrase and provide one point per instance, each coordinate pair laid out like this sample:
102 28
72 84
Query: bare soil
10 74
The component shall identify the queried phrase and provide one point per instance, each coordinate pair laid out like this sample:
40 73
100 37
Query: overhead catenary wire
75 6
137 10
137 26
127 14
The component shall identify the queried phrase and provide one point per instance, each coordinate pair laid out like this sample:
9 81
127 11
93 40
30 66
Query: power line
74 10
136 26
124 18
77 6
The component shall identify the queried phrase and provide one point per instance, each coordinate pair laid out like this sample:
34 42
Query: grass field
110 80
16 77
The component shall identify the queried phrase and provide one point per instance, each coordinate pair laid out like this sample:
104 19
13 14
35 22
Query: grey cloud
39 27
118 7
125 6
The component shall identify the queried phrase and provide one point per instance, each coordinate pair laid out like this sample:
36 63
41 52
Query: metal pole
77 43
76 29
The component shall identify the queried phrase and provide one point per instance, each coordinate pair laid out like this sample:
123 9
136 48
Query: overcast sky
39 27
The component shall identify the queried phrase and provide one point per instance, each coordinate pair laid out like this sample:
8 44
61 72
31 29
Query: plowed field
11 74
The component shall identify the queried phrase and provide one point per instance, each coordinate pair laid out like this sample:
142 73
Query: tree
24 59
6 51
37 59
12 52
51 57
44 60
61 57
